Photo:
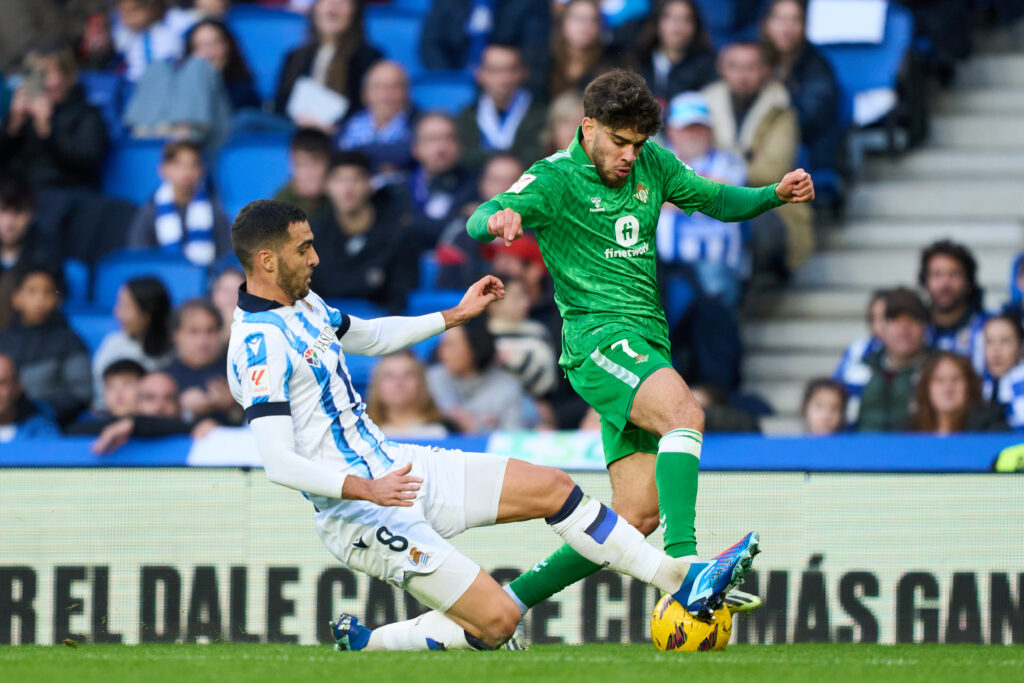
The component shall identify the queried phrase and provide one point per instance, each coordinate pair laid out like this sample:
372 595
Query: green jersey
599 242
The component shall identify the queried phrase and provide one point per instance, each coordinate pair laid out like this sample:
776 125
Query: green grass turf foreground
248 663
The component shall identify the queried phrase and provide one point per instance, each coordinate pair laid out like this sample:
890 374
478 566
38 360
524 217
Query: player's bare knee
499 623
687 415
559 485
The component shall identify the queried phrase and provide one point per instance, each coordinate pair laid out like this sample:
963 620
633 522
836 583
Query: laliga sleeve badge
259 380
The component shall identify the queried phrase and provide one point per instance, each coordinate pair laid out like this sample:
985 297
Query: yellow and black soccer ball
675 629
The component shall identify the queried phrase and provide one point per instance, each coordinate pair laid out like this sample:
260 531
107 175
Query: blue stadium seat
265 36
183 279
428 271
131 170
396 33
425 349
421 302
417 6
863 67
360 308
250 167
76 281
360 369
105 91
447 91
92 325
677 295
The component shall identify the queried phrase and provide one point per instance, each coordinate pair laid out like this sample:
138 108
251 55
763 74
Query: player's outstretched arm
796 187
479 295
382 336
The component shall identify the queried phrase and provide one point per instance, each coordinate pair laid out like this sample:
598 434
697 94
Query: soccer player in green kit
594 208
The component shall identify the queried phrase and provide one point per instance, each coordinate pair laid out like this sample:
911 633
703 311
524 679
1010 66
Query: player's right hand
506 224
395 489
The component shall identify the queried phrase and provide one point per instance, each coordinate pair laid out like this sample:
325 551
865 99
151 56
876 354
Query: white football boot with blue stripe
706 583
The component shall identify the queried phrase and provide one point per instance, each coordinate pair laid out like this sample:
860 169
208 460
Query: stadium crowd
388 186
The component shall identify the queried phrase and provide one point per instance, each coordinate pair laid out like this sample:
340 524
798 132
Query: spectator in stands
714 250
506 116
309 156
859 349
88 29
892 371
439 186
149 31
143 312
824 407
182 217
1003 380
363 240
949 274
157 413
948 398
20 418
53 361
523 346
19 237
577 48
199 363
564 116
121 387
751 116
456 33
51 134
224 296
467 386
212 8
185 100
719 414
118 391
336 56
383 130
808 77
673 52
211 40
460 258
399 401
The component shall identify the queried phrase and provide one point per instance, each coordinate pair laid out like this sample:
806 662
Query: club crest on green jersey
641 193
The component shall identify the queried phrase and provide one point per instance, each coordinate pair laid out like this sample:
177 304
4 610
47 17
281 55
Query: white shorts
459 491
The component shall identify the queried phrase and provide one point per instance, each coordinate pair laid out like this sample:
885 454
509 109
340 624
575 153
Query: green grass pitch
249 663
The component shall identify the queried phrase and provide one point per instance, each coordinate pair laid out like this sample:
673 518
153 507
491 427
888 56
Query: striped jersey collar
250 303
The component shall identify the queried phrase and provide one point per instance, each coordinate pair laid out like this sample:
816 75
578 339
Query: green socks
562 568
676 475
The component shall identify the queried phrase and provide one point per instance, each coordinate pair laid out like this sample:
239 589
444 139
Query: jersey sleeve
536 197
681 184
265 372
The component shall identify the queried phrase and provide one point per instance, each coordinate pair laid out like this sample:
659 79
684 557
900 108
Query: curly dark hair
621 99
961 255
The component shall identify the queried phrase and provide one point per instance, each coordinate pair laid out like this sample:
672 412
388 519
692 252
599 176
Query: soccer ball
675 629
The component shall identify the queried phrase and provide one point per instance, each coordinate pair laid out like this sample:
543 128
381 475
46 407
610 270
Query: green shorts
608 380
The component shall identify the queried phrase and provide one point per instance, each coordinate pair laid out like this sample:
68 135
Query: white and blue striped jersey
1008 392
966 339
289 360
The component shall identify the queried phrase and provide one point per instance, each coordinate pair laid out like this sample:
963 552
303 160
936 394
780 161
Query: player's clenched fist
506 224
796 187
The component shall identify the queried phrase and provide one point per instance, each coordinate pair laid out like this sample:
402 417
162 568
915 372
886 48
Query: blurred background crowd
133 131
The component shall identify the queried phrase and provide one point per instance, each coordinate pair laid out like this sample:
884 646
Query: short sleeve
681 184
535 196
265 374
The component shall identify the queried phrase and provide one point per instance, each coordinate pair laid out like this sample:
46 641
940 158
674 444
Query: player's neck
268 290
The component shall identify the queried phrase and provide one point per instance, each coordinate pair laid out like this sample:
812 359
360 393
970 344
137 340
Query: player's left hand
796 187
477 297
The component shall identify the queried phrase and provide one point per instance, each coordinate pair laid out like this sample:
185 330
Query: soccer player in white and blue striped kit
386 509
